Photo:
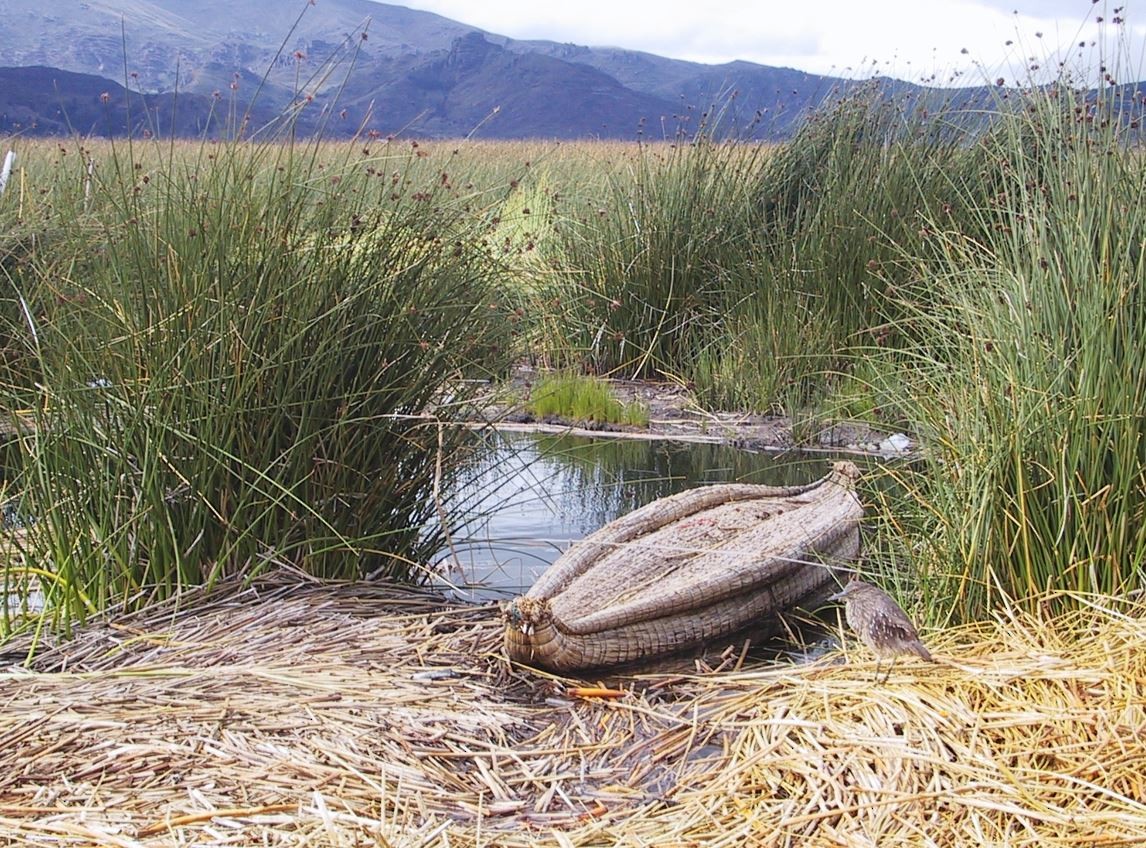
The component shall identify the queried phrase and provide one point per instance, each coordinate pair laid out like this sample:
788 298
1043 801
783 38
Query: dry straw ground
295 713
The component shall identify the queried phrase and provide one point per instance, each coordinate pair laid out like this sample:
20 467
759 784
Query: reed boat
686 570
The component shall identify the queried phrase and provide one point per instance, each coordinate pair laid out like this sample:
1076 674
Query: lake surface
531 496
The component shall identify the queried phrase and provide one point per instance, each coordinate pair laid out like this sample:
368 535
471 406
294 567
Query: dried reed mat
294 713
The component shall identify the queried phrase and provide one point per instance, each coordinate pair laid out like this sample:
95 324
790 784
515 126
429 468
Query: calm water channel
531 496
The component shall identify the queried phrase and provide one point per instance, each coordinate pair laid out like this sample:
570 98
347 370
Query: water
530 496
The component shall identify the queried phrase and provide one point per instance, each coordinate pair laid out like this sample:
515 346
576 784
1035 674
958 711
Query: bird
880 623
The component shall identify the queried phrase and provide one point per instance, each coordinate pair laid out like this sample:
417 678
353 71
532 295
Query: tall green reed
749 271
1027 373
847 207
646 266
243 354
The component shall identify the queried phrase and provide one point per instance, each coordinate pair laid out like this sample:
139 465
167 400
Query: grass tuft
577 398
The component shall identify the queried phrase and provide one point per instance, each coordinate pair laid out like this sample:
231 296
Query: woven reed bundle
685 570
298 714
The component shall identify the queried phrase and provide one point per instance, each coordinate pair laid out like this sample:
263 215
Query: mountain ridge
394 70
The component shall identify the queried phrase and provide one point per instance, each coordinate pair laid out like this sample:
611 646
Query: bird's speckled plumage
879 622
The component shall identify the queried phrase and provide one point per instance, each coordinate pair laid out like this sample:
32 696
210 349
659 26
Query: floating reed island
685 570
293 712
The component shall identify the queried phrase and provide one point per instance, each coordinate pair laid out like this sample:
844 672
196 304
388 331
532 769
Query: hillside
393 70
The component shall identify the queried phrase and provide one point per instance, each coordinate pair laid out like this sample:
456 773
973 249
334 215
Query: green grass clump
577 398
242 356
645 265
1027 377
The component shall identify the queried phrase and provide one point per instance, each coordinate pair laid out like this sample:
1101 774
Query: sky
909 39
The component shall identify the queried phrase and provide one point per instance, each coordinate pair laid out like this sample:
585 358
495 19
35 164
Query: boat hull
687 570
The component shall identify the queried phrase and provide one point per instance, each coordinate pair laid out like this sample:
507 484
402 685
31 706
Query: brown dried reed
291 712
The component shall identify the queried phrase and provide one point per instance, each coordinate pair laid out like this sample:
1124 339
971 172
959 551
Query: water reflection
529 496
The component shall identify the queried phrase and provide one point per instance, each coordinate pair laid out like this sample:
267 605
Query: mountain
781 95
451 93
359 66
174 42
38 100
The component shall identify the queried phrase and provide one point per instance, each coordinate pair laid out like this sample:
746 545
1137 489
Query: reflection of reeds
591 481
395 720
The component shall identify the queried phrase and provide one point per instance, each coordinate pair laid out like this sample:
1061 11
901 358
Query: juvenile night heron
880 623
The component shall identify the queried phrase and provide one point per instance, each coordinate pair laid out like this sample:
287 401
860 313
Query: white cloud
905 38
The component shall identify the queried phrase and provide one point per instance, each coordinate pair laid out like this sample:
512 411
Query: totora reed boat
686 570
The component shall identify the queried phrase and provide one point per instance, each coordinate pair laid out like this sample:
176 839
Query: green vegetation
645 272
219 356
1026 368
240 355
577 398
